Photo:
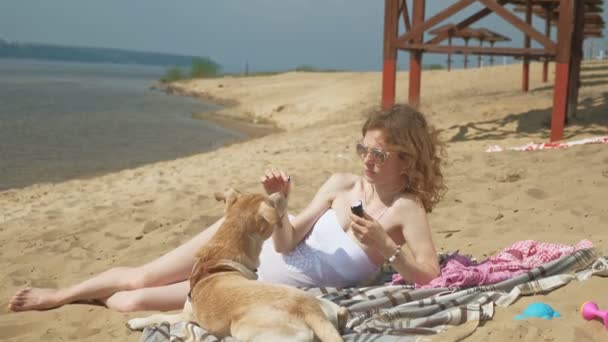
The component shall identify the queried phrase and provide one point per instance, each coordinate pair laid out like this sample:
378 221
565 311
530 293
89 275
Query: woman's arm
290 234
417 260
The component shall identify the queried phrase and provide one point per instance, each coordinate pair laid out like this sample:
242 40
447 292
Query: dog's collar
237 266
233 266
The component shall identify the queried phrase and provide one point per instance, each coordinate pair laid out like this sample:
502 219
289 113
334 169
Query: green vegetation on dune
308 68
432 67
205 68
200 68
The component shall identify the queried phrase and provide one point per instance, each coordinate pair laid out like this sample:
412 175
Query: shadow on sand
592 112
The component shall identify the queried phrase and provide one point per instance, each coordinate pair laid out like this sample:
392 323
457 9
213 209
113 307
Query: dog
226 300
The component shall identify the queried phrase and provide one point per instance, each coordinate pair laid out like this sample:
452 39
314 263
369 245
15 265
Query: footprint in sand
19 277
143 202
19 332
200 199
115 236
151 226
52 214
49 236
536 193
470 232
83 333
123 246
509 177
198 224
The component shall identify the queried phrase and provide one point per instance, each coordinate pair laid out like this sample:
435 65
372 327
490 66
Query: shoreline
235 123
173 88
239 123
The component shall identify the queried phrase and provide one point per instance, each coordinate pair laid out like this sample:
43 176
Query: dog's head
258 214
249 219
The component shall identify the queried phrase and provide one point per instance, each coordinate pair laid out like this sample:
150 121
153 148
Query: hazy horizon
264 34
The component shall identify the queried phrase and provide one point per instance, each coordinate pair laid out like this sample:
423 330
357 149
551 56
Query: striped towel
403 313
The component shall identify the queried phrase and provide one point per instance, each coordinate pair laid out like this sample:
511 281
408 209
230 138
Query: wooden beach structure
574 20
466 34
492 38
593 24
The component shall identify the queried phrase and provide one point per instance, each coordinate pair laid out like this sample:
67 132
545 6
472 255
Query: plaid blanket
403 313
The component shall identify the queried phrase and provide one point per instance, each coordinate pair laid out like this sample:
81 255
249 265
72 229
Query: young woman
324 245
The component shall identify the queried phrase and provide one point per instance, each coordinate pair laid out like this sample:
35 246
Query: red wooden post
389 67
548 34
525 82
466 55
416 56
576 52
562 68
479 55
450 53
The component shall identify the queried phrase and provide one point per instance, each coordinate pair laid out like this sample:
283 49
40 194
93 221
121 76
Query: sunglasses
377 154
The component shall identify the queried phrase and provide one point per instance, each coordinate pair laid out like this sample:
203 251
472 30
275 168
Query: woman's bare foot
32 298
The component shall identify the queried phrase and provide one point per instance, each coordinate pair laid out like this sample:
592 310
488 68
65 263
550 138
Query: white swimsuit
327 256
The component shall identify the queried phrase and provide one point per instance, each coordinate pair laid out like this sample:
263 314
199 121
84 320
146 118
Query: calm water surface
60 121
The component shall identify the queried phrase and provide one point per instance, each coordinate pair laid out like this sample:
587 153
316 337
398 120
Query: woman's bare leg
159 298
170 268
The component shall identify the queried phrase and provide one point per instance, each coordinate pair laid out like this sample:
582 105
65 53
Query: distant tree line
98 55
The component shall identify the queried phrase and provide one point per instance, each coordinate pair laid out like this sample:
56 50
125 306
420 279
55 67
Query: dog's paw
137 323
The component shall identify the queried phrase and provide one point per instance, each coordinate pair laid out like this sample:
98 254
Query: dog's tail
322 327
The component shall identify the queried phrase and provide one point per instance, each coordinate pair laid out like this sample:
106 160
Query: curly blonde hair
419 145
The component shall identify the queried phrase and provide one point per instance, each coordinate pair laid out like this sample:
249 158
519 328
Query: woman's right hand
276 181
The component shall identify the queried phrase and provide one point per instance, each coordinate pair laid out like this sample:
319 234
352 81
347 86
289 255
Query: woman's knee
131 278
126 301
164 298
140 278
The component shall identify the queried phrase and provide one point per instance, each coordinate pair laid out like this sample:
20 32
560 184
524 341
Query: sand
56 234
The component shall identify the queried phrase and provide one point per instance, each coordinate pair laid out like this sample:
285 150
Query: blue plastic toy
540 310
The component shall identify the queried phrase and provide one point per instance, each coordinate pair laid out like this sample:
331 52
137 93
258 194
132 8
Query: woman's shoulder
343 180
409 202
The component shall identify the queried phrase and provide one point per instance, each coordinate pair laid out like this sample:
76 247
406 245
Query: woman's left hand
369 232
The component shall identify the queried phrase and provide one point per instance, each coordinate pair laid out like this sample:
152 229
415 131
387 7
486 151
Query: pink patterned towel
551 145
518 258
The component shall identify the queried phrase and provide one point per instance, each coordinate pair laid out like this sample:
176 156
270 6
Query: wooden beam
515 21
419 28
496 51
465 23
406 15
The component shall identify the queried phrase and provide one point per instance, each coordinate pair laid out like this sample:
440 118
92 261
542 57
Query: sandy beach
53 235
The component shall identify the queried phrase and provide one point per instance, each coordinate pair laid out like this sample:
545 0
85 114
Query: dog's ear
269 213
228 196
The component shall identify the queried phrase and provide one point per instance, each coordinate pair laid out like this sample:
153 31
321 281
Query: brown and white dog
226 300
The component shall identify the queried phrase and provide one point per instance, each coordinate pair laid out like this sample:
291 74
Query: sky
264 34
